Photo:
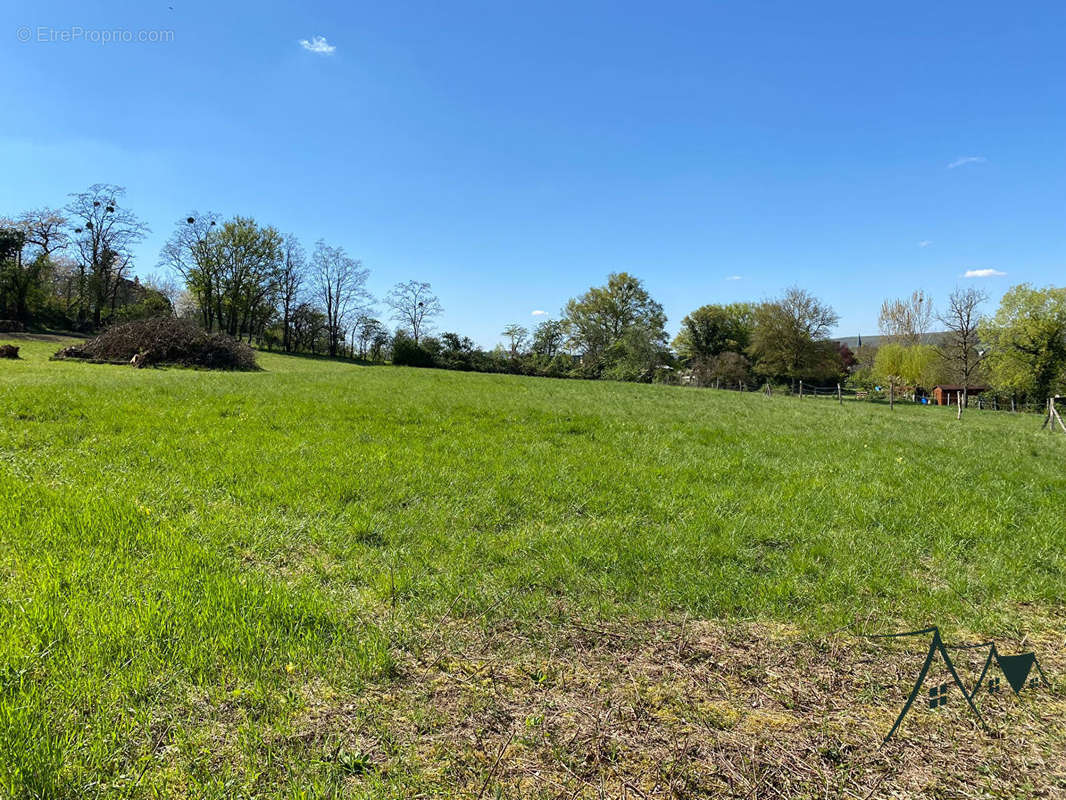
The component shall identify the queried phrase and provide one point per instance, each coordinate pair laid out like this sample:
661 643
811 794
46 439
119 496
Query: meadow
248 584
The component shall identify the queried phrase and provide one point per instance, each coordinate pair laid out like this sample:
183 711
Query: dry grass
684 709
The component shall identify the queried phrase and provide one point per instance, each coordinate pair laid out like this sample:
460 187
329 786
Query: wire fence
879 395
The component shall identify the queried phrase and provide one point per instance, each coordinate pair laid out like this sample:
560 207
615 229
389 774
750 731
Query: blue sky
514 154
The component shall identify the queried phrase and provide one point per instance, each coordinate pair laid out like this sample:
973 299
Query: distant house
948 394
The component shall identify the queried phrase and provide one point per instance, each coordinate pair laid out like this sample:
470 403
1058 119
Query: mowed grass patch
188 554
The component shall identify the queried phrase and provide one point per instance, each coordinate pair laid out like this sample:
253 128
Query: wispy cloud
924 243
734 277
317 44
538 313
983 273
961 162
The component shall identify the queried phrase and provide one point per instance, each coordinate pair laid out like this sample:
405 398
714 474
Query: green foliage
615 326
908 365
714 329
1027 342
153 305
789 339
548 338
406 353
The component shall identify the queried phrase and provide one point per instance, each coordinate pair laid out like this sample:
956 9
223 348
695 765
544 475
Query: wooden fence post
840 397
892 395
801 390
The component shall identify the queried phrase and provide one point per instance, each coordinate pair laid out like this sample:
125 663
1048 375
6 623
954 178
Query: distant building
948 394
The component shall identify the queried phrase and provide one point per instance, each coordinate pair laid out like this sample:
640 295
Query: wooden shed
948 394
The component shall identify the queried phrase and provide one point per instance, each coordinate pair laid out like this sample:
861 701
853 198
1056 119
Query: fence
841 393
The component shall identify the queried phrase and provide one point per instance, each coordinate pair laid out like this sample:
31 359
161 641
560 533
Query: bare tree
105 234
906 320
45 229
414 305
294 266
342 289
961 346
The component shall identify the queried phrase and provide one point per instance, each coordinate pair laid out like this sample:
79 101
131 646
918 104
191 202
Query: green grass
184 553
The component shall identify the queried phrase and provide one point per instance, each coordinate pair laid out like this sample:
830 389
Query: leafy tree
414 306
249 259
455 343
1027 342
308 328
714 329
728 367
14 284
548 338
901 365
620 316
406 352
517 336
190 252
367 331
789 337
27 245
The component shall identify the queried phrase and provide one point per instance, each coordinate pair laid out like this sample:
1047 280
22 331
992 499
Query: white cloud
961 162
317 44
924 243
734 278
983 273
539 313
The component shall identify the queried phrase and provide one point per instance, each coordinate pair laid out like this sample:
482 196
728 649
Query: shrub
405 353
164 340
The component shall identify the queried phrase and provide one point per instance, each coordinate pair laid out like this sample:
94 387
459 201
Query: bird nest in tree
154 342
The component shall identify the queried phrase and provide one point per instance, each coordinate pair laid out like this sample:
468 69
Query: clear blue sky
513 154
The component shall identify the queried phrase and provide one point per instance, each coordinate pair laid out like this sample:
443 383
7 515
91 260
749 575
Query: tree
455 343
1027 342
192 254
906 320
104 236
714 329
45 229
789 337
368 330
308 328
901 365
960 347
728 367
341 288
13 285
599 319
548 338
290 281
517 336
248 261
414 306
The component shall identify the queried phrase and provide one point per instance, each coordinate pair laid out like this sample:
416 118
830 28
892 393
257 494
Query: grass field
327 579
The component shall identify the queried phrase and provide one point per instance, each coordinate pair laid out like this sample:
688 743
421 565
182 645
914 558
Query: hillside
391 581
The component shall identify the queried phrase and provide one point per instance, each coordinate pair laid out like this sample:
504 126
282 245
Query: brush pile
163 340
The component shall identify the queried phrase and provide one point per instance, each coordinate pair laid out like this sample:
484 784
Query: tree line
71 268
